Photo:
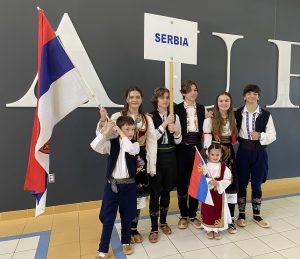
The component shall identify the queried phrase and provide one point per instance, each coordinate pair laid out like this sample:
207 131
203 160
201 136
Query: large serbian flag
60 90
198 187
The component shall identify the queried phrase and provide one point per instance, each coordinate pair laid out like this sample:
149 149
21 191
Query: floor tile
228 251
295 221
177 256
6 256
293 235
254 247
188 243
280 225
28 243
30 254
160 249
242 234
178 233
273 255
257 231
8 246
201 253
291 253
212 242
277 242
139 252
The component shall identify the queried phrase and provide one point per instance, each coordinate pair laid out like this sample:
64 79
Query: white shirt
207 127
160 130
248 125
101 145
191 117
151 142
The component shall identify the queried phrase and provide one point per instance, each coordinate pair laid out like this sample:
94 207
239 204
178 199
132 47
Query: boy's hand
209 114
103 113
109 127
170 119
172 128
254 135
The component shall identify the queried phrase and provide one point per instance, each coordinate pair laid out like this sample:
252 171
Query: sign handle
171 87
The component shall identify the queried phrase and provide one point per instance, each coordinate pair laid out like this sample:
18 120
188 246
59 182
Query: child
191 116
216 218
146 159
168 133
222 128
120 188
256 131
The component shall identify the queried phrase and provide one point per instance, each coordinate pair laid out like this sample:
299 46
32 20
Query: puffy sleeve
269 136
100 144
223 184
132 148
207 136
178 139
151 146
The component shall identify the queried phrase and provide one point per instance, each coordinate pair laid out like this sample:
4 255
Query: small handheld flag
198 187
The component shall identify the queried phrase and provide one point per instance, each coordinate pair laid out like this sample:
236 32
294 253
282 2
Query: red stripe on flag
195 177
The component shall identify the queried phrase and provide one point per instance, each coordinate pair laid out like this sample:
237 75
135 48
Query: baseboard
272 188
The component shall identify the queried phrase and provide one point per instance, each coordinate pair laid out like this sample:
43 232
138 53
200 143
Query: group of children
153 153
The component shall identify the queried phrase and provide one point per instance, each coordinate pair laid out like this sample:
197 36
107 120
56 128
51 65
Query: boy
191 116
256 131
120 188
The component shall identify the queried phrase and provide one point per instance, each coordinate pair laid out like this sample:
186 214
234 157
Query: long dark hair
218 121
126 106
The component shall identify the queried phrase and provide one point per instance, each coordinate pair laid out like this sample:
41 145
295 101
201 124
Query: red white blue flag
60 91
198 187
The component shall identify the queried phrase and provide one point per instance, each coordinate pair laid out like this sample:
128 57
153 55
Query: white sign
170 39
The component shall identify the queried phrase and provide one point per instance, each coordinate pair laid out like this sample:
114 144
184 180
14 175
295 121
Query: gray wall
112 33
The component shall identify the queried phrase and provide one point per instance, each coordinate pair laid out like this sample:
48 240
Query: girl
222 128
146 159
216 218
168 134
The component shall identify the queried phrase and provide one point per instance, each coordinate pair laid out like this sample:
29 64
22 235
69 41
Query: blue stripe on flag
202 189
55 63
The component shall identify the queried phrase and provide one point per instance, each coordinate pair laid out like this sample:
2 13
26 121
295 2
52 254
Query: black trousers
160 186
185 160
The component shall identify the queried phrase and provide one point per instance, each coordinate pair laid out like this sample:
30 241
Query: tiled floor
76 235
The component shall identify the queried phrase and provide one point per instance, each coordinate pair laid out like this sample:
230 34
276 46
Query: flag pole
206 168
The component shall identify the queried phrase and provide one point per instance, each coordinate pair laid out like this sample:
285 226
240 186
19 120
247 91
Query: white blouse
214 171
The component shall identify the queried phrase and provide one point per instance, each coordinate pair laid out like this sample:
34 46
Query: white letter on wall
284 74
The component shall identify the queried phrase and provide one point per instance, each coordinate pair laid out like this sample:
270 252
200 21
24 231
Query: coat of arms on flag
198 187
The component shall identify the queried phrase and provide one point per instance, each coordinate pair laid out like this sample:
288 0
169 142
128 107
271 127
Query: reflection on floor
76 235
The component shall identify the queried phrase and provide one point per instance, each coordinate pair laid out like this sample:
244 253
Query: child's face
163 101
191 96
215 155
134 99
224 102
251 98
128 130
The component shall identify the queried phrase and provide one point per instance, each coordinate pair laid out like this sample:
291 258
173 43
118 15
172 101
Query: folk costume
226 139
146 160
165 179
216 218
120 189
252 158
191 119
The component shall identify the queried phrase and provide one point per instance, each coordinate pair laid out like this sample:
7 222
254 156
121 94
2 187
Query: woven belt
113 182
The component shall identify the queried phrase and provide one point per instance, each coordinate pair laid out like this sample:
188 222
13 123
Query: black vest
181 112
260 122
113 157
157 120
